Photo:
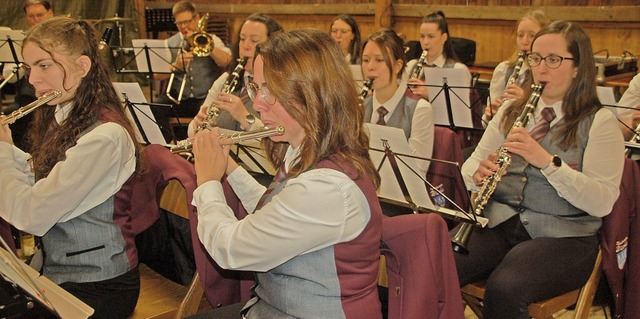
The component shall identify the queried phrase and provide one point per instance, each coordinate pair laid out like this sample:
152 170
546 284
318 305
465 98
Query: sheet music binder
47 293
390 189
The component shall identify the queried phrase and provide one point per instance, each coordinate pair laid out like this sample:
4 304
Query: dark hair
46 4
581 99
392 47
327 110
440 20
272 26
355 48
95 98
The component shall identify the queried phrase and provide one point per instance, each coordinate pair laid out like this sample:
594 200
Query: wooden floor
596 313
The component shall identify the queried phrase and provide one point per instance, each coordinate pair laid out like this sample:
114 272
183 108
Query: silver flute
17 114
234 138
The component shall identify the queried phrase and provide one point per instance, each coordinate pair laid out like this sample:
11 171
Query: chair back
444 176
421 270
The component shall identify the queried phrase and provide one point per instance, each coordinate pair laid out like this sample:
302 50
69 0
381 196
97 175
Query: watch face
557 161
250 118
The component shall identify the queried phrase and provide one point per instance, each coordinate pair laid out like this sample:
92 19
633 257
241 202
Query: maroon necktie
244 95
277 179
381 113
542 127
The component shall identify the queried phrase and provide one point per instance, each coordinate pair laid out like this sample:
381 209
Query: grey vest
401 116
525 190
201 73
87 248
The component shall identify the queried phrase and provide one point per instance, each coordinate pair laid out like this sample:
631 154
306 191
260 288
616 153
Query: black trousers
110 299
520 270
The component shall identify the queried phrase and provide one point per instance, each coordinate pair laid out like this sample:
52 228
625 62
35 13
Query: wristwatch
555 163
250 119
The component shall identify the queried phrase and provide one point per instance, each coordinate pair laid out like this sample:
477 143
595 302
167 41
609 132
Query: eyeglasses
552 61
253 89
184 22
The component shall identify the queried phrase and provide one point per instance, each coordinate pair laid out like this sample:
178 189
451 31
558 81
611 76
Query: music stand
448 111
401 184
147 129
150 56
10 43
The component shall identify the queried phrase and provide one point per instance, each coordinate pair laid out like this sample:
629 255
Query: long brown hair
308 75
537 16
95 98
581 99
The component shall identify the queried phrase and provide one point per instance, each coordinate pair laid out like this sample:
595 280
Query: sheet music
5 50
159 55
389 187
252 155
356 72
65 304
455 78
143 113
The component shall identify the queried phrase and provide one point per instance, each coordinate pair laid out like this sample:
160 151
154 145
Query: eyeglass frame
184 22
253 89
562 58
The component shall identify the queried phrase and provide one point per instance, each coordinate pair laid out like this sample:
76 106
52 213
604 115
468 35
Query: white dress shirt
596 188
438 62
94 170
422 125
317 209
630 98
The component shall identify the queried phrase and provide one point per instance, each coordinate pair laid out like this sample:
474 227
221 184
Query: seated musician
346 32
630 118
313 237
505 85
565 174
391 102
236 111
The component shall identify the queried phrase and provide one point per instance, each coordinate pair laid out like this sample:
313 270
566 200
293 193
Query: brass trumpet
185 146
17 114
201 44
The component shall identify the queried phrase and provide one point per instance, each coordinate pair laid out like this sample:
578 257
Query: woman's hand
210 157
418 87
491 109
5 134
233 105
485 169
512 92
199 119
521 143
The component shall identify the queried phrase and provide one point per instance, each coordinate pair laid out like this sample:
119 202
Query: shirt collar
62 112
392 103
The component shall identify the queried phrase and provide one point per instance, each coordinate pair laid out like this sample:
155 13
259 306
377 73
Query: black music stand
10 43
398 171
147 60
454 107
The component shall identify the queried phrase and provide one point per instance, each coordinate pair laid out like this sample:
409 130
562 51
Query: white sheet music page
159 55
459 96
16 36
65 304
389 186
143 112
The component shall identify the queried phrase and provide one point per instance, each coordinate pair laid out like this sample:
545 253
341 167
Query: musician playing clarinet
564 177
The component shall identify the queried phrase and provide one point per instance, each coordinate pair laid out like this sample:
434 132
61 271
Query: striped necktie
277 180
382 111
542 127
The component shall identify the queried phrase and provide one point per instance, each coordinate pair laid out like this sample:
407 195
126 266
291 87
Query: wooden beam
513 13
383 14
280 9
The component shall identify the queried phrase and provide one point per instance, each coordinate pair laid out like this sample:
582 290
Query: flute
21 112
234 138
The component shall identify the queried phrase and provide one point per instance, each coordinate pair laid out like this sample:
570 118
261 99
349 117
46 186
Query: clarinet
229 86
415 72
516 69
489 184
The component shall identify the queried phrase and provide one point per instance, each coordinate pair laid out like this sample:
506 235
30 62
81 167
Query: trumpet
21 112
489 184
415 72
229 86
186 146
201 44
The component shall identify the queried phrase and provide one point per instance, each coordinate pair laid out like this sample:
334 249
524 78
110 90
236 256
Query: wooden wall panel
612 24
